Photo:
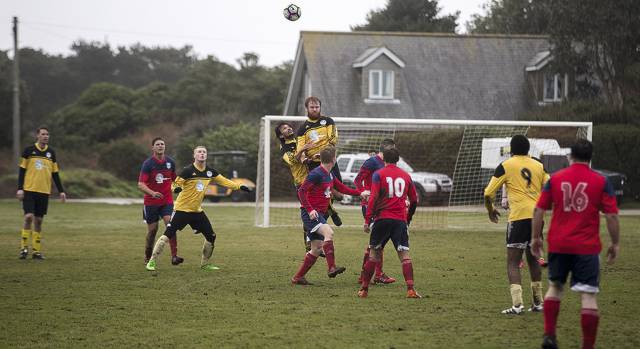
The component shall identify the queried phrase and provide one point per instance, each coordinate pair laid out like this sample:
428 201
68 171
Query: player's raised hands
612 253
494 215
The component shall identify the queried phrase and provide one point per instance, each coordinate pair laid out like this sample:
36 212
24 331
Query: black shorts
584 269
311 226
153 213
198 221
384 230
519 233
36 203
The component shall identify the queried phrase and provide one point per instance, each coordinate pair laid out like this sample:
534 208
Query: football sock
589 320
366 257
207 252
26 235
551 311
536 291
309 261
35 243
157 249
327 247
173 243
516 294
407 272
367 273
379 264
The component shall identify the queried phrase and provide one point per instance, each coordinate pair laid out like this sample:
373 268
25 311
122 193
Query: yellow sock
516 294
35 243
536 290
26 235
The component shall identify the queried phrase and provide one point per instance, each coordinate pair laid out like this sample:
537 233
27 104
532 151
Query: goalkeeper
191 185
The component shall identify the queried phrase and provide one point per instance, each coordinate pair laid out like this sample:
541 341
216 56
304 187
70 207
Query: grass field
93 290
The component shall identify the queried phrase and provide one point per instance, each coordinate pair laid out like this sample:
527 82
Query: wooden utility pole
16 96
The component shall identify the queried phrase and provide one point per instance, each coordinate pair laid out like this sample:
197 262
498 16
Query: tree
603 41
410 16
512 17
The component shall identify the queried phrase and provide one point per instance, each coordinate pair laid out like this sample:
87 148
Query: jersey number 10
574 200
396 187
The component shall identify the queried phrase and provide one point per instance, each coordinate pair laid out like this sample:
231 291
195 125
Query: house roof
539 61
445 75
372 53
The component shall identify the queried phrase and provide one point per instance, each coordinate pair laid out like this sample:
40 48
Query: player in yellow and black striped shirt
191 184
38 166
524 177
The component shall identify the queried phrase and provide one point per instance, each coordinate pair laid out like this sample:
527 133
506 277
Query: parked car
432 188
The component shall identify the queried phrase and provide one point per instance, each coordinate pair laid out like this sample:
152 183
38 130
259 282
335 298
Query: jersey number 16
574 200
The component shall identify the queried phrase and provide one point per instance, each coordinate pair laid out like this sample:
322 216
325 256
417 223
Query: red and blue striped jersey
577 195
390 188
158 175
315 191
363 179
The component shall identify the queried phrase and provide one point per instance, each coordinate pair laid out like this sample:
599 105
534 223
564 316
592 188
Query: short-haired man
523 177
38 166
363 182
387 219
156 177
578 195
315 195
191 184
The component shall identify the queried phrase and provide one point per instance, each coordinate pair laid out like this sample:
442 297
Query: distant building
423 75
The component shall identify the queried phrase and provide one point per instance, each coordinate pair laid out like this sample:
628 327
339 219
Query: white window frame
557 95
379 81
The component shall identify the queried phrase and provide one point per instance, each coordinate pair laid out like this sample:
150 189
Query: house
423 75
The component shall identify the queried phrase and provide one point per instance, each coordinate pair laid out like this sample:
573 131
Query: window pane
375 84
387 88
342 164
549 83
356 165
559 86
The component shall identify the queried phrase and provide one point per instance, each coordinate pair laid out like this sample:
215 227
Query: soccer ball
292 12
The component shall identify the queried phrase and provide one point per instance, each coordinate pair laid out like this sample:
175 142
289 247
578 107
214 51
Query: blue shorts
584 269
311 226
152 214
384 230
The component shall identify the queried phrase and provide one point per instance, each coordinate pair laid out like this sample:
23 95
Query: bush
615 148
123 158
83 183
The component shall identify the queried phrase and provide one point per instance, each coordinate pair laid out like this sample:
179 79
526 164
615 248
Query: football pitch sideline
93 291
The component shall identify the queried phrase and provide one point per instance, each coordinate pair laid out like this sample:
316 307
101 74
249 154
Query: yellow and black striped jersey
194 182
321 132
299 171
524 177
39 165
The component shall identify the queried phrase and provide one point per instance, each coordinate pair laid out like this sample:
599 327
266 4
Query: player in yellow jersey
38 166
191 184
523 177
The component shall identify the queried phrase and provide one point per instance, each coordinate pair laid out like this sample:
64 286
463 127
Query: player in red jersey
363 182
315 197
387 207
156 176
577 195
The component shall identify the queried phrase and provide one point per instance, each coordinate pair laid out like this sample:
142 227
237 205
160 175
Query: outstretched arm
344 189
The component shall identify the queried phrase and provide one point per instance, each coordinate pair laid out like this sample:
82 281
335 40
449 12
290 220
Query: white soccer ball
292 12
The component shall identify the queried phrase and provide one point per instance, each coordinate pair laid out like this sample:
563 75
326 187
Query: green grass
93 291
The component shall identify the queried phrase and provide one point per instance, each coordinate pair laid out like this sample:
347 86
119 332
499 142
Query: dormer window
381 84
555 87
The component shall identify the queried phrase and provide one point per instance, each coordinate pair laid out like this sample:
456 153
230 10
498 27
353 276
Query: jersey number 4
396 187
574 200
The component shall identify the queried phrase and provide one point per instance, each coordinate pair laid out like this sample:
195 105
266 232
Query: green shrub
123 158
83 183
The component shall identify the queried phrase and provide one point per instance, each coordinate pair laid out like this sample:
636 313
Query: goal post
450 162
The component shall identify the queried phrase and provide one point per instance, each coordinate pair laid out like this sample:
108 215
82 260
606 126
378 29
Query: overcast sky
223 28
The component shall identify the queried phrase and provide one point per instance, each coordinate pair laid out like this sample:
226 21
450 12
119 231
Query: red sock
309 261
367 273
173 243
407 272
589 321
379 264
551 311
327 247
366 257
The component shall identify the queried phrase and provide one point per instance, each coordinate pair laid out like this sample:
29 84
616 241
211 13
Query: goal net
450 162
